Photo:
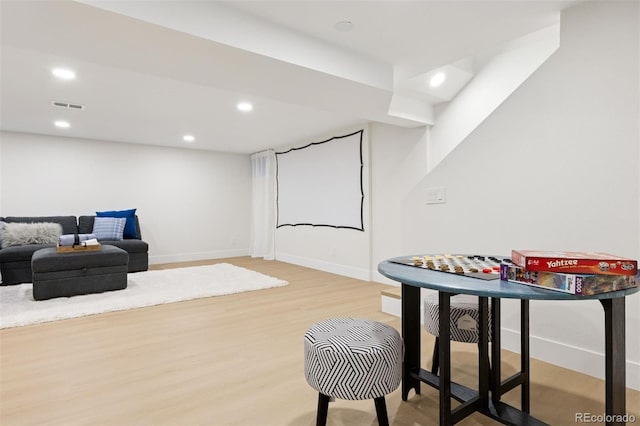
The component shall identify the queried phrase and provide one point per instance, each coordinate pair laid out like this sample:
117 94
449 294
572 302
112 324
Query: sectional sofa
15 261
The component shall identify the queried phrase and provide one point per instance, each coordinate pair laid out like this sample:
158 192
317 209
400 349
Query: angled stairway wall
495 81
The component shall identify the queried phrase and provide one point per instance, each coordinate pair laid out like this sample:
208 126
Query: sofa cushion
17 234
131 246
20 253
130 215
108 228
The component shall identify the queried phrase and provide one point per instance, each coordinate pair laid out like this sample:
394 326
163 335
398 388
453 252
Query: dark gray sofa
15 261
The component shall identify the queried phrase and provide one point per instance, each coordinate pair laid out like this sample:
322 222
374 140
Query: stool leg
323 407
381 411
435 363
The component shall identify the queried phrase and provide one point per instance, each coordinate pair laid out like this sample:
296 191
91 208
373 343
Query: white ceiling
150 72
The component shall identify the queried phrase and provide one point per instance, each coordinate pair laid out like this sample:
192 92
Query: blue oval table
486 399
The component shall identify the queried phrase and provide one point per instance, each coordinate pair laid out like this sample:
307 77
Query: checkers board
473 266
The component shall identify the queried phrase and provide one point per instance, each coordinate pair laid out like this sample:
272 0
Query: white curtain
263 204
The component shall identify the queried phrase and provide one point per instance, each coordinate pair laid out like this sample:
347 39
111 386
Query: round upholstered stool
352 359
464 321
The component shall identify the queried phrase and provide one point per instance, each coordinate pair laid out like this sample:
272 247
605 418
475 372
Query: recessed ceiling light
62 124
63 73
437 79
344 26
245 106
188 138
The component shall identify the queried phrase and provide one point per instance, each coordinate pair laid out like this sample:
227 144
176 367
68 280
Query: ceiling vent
61 104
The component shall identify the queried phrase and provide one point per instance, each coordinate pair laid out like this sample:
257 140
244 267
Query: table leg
524 356
411 336
484 373
444 333
615 380
496 373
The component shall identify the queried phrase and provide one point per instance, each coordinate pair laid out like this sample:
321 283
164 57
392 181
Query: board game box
580 284
574 262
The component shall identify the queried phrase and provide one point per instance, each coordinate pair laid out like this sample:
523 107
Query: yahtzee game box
570 262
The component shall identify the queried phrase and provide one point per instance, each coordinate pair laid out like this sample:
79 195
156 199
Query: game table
486 399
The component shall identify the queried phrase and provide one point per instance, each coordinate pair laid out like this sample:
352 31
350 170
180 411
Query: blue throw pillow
130 230
108 228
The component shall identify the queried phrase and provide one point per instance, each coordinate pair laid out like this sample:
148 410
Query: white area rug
18 307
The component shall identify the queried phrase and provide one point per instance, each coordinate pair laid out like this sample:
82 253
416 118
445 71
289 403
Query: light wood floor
233 360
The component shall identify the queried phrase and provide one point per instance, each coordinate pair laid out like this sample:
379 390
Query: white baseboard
189 257
556 353
321 265
567 356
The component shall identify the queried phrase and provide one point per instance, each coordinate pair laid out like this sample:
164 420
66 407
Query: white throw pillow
18 234
109 228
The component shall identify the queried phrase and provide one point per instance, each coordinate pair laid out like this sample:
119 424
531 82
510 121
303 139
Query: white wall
398 164
494 82
554 167
1 180
341 251
191 204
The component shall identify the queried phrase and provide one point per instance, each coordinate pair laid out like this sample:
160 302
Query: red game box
569 262
580 284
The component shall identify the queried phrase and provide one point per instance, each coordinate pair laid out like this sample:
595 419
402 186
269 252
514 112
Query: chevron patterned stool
464 321
353 359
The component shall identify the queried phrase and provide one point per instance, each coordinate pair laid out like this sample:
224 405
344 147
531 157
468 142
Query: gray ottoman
71 274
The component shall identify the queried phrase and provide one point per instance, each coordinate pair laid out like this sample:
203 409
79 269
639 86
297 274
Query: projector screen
320 184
